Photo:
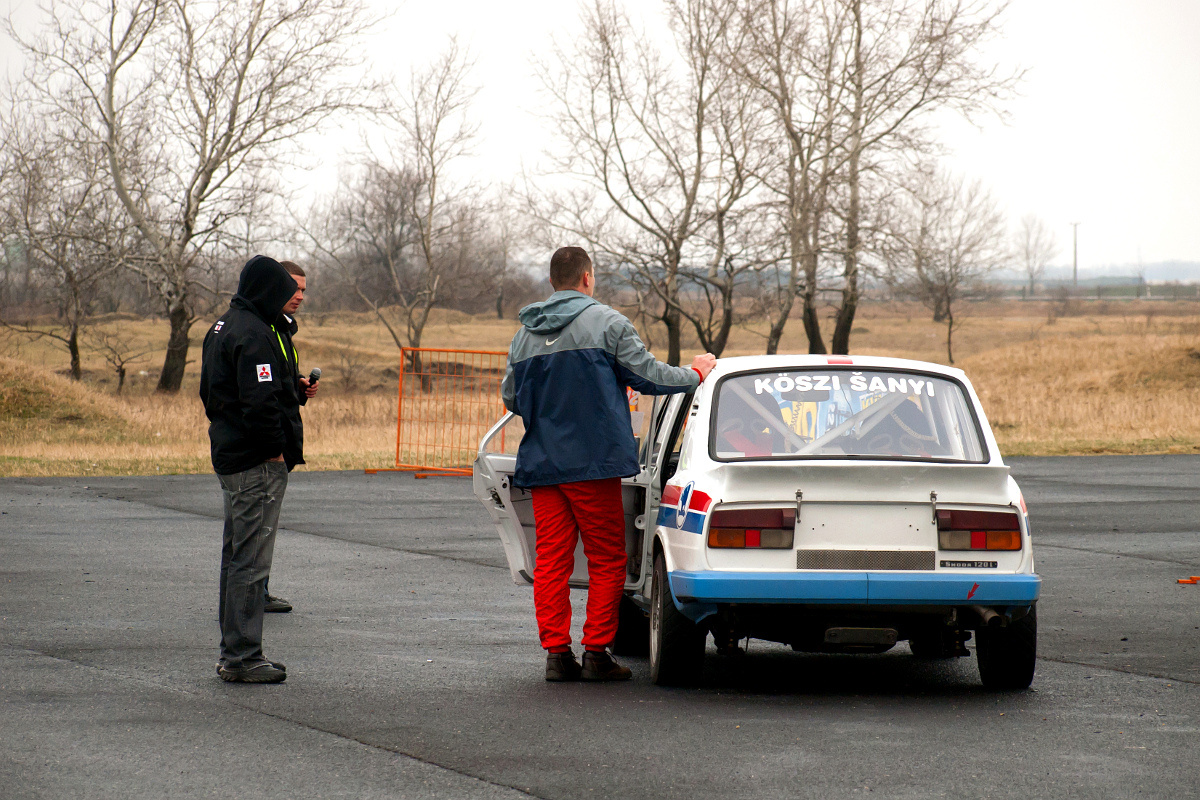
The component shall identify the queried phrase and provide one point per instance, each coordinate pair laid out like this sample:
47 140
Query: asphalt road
414 669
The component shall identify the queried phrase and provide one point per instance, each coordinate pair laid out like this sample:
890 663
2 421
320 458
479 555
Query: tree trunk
949 335
120 379
671 319
845 317
812 325
776 332
717 345
175 362
940 312
845 320
812 322
789 299
416 330
73 347
500 301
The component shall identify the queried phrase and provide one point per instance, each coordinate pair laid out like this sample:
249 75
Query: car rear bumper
868 588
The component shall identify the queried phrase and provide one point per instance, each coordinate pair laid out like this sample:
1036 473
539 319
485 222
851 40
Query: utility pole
1075 254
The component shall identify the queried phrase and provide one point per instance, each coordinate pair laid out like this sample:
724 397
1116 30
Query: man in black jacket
250 385
285 327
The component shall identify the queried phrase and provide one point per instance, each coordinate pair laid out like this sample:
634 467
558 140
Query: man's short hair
293 268
568 265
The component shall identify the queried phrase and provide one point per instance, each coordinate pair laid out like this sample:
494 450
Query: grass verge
1110 383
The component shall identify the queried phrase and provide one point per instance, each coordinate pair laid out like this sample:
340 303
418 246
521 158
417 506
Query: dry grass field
1097 378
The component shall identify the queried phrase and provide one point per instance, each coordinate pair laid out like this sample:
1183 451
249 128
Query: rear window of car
833 413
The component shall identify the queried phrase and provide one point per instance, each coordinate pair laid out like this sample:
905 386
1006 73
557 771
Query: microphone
314 376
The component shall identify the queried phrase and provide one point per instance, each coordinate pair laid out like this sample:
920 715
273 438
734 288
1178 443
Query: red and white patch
264 372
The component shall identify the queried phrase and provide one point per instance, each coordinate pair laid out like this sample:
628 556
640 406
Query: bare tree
949 237
367 233
850 85
1036 245
190 98
118 349
903 60
434 115
737 226
403 226
791 58
638 127
71 233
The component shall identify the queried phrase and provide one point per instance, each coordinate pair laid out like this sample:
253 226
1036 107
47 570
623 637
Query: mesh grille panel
865 559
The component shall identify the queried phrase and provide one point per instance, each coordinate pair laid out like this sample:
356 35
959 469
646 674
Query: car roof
784 361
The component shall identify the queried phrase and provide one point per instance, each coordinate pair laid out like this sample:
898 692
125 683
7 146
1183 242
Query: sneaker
598 665
259 673
276 664
276 605
562 667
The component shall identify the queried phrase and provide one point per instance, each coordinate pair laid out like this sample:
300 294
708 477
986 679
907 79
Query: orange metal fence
448 399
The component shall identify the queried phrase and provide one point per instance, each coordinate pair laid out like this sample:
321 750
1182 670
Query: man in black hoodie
250 385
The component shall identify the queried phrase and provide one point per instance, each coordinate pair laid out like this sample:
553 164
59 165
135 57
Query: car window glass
678 443
662 423
835 413
670 435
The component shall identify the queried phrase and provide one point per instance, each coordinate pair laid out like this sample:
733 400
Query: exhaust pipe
990 618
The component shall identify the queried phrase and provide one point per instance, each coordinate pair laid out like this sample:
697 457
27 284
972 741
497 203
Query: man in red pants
568 369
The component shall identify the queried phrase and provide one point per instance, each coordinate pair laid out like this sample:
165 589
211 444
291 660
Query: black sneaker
276 605
562 667
276 664
259 673
598 665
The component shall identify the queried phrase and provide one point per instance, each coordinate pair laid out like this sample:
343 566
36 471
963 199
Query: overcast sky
1106 132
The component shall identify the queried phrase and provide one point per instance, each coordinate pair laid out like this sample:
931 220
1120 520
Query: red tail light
978 530
764 528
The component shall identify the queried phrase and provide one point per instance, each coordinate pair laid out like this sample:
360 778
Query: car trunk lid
867 516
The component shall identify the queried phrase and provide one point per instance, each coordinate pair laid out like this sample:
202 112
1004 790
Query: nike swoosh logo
552 341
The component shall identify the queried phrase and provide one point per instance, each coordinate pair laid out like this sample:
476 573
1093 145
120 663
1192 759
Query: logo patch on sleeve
264 373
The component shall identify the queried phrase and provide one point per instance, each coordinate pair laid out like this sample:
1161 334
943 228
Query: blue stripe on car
692 523
871 588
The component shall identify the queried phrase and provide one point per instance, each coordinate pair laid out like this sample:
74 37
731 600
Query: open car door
511 507
660 457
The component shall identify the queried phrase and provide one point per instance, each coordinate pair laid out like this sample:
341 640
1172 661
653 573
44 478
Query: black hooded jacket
249 379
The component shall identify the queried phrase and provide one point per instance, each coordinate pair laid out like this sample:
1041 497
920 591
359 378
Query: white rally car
831 503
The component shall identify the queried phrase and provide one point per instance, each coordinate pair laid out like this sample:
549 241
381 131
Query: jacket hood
264 288
555 313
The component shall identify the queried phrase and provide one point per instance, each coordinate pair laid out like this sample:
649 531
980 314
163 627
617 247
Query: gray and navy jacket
567 372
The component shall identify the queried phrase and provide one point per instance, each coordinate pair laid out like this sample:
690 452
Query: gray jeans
252 501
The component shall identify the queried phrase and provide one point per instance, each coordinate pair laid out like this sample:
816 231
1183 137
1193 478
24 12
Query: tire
1007 656
633 630
676 643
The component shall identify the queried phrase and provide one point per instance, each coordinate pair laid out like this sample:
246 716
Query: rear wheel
633 630
676 643
1007 656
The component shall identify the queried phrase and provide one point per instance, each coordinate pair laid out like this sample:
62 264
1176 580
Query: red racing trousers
562 514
